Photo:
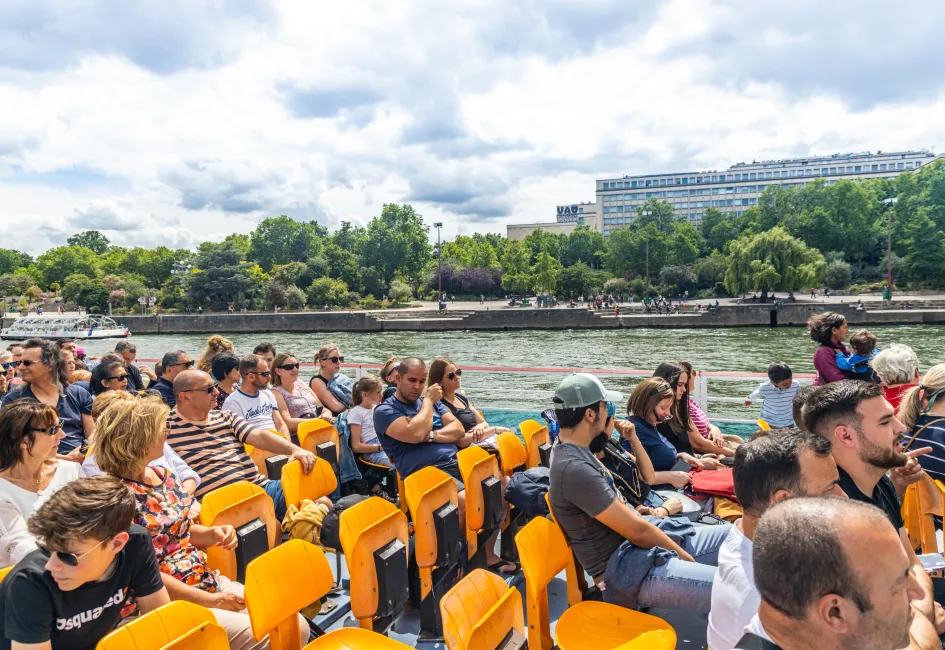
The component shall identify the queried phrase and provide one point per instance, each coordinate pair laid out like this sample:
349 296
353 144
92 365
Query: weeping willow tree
772 261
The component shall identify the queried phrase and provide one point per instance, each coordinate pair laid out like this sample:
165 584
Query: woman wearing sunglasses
330 385
109 375
29 440
445 373
297 403
131 436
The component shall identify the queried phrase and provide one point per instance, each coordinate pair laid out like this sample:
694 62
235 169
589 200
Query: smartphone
932 562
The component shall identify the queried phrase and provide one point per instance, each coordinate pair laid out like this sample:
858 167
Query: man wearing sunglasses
172 364
213 442
252 400
69 593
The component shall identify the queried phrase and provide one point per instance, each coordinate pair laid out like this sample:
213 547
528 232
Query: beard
881 457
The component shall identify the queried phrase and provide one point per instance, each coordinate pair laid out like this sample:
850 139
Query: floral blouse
165 512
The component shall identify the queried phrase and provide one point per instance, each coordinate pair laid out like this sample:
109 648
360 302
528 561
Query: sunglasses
263 374
290 366
203 389
26 363
8 365
454 375
70 559
335 359
611 409
51 431
189 364
118 377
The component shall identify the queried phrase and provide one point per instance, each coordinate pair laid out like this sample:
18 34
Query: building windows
857 169
875 168
899 165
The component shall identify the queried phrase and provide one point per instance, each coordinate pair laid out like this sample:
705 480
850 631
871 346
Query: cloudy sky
180 121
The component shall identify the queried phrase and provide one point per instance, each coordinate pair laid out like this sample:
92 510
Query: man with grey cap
636 561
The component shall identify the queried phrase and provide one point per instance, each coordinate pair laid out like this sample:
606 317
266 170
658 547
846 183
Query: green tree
281 240
772 260
327 291
540 241
73 286
56 264
294 298
576 280
273 294
15 284
839 274
659 213
547 273
710 270
11 260
400 291
396 242
583 245
90 239
677 279
617 287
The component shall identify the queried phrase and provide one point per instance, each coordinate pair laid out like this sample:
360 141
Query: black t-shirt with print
34 610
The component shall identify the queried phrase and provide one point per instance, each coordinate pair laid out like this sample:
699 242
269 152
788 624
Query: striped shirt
214 450
699 418
932 436
778 406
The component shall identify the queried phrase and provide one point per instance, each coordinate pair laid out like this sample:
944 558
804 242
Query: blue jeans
675 583
274 490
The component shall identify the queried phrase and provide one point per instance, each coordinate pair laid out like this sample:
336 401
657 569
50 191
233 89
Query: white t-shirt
735 599
256 409
755 627
17 504
365 418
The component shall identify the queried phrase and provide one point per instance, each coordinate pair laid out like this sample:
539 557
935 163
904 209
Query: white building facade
568 218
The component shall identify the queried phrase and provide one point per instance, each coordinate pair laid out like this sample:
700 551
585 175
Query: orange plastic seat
511 452
4 571
279 584
314 432
578 569
535 435
544 554
401 494
479 611
354 638
928 503
763 425
475 466
365 528
298 485
237 504
176 626
259 457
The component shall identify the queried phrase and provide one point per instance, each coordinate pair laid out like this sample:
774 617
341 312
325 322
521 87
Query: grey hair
122 346
897 364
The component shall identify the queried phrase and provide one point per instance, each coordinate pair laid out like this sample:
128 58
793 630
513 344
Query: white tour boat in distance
64 327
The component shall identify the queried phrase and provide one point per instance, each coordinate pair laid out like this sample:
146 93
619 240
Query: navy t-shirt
72 405
661 451
408 458
166 390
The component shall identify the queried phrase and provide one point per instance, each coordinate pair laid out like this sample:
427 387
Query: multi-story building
737 188
568 218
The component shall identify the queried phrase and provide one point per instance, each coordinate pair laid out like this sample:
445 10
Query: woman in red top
830 330
898 368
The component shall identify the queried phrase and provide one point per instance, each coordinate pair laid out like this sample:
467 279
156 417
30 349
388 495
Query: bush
400 291
370 302
328 291
294 298
839 275
617 287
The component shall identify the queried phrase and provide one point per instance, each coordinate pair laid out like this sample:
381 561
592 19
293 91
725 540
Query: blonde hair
325 351
80 375
103 400
276 362
364 386
125 431
215 345
911 407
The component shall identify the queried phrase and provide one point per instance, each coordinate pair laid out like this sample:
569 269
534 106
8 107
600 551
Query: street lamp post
439 267
890 202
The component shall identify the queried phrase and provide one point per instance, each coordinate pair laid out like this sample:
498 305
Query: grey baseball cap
582 389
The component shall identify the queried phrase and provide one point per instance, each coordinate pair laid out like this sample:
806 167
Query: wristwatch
432 433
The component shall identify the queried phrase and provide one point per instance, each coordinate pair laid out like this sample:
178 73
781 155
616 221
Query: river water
736 349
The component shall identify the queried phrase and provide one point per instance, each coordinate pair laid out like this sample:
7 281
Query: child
864 349
778 394
366 394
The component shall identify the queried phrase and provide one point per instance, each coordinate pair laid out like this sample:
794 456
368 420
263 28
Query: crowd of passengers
102 477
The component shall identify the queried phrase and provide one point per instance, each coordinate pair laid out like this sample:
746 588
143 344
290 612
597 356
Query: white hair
896 365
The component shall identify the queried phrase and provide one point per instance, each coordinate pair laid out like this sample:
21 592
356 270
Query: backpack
331 525
526 491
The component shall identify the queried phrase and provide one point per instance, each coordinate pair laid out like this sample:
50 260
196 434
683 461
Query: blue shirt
932 436
166 389
407 457
660 450
75 403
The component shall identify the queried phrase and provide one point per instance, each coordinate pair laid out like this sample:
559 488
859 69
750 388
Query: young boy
778 395
864 349
68 594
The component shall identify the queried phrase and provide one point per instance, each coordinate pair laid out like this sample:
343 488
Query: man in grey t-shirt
634 562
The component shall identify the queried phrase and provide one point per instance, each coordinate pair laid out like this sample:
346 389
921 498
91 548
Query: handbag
719 483
626 474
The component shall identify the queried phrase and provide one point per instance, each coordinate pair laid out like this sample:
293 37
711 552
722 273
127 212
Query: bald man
833 575
212 442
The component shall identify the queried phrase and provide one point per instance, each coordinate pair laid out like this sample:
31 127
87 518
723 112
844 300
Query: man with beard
865 436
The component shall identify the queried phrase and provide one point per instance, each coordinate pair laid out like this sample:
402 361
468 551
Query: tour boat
85 327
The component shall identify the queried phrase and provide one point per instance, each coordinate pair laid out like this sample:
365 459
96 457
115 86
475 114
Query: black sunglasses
118 377
335 359
265 373
203 389
454 375
26 363
290 366
69 558
51 431
189 364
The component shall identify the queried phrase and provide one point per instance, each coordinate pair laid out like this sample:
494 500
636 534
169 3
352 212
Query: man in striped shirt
211 442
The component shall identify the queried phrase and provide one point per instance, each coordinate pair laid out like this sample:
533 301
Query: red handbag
718 483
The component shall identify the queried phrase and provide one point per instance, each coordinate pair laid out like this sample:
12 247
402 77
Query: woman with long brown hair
215 345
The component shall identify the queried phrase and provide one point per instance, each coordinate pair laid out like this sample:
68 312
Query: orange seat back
365 528
511 452
475 466
355 638
237 504
479 611
314 432
180 625
279 584
427 490
298 485
259 457
4 571
535 435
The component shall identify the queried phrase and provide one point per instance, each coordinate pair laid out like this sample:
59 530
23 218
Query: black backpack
626 474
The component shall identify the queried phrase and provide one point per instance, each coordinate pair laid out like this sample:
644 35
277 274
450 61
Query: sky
182 121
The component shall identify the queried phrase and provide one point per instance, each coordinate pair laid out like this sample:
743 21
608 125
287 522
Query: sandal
494 567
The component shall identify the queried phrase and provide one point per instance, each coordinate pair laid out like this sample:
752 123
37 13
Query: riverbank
520 318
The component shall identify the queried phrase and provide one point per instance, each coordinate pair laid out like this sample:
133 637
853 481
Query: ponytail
911 406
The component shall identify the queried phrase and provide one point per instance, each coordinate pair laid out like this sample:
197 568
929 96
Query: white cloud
481 112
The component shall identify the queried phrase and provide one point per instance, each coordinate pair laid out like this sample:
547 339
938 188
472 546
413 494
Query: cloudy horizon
178 122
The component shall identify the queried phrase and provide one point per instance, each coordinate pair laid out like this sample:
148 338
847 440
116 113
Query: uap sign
567 213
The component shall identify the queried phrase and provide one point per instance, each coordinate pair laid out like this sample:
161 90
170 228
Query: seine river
735 349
